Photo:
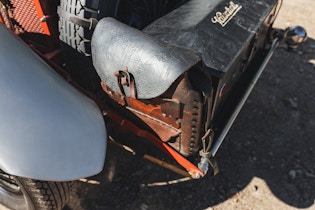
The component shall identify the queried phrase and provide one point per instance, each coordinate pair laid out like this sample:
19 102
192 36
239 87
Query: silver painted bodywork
48 129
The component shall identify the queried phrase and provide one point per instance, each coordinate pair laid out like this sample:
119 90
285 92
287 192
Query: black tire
28 194
75 35
75 40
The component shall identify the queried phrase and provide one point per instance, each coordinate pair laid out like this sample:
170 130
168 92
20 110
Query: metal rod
158 184
167 165
153 159
243 100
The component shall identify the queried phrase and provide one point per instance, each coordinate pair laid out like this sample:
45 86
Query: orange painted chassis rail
41 15
193 170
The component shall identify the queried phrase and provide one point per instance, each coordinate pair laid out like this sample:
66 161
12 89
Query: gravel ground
266 162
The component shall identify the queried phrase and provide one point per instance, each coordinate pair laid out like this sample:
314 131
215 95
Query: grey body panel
154 64
48 129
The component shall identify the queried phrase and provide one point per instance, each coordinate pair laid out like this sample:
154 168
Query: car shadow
272 138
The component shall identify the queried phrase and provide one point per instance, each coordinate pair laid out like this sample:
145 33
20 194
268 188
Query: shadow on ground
273 139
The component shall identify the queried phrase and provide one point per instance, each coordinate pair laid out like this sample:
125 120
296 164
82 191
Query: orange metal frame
41 15
193 170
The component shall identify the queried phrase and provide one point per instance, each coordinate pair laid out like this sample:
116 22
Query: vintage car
76 73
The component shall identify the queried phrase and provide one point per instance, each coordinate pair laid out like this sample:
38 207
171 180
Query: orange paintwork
41 14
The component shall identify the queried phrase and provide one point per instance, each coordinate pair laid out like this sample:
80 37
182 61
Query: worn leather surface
153 63
192 26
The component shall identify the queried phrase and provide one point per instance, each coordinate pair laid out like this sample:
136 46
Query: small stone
144 206
190 196
232 192
277 81
299 172
301 70
138 173
292 102
222 190
117 178
292 174
300 53
310 174
312 61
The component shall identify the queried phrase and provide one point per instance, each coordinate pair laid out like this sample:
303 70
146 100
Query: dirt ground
266 162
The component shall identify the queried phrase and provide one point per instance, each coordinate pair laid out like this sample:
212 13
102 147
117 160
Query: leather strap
124 78
84 22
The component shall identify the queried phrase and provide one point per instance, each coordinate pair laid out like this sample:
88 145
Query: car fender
48 129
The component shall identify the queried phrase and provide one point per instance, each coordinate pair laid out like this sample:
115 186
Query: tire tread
74 35
47 195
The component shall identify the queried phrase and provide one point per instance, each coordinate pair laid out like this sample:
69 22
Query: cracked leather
192 26
153 63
